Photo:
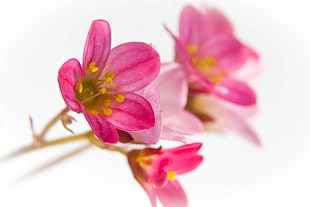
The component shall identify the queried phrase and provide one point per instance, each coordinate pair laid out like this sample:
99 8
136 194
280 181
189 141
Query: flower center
93 92
206 65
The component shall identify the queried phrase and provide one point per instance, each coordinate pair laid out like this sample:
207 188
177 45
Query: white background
38 36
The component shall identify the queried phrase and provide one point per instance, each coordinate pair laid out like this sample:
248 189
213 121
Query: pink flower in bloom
156 171
172 86
103 87
219 115
212 55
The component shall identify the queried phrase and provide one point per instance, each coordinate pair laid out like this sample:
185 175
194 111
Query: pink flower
103 87
172 86
156 171
219 115
212 55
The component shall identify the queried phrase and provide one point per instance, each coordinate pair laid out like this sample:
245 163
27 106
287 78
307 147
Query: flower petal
103 130
134 114
172 195
234 91
184 122
68 73
98 44
172 135
135 65
217 22
172 86
152 135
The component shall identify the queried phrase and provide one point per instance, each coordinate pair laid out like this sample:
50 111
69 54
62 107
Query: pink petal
193 28
172 195
186 164
217 22
135 66
172 135
98 44
68 73
152 135
151 193
235 91
172 86
103 130
184 122
134 114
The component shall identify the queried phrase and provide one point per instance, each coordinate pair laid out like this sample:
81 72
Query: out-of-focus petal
68 74
217 22
152 135
134 114
98 44
172 195
172 135
235 91
135 66
103 130
172 86
184 122
190 27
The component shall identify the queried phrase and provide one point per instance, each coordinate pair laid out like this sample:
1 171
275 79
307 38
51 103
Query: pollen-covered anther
92 111
120 98
80 88
109 77
107 112
91 67
171 175
192 49
103 90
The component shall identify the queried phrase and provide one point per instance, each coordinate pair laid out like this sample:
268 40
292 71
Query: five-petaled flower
156 171
213 55
103 87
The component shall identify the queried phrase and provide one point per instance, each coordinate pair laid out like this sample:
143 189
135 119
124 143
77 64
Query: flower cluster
132 101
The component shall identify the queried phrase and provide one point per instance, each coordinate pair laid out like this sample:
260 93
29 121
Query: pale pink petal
135 66
193 29
184 122
151 193
102 129
172 86
235 91
152 135
134 114
98 44
185 164
68 74
172 195
172 135
217 22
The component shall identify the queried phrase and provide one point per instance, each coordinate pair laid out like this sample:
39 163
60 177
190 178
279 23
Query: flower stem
39 139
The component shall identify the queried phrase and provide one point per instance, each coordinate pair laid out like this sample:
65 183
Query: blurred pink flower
156 171
212 55
103 87
219 115
172 86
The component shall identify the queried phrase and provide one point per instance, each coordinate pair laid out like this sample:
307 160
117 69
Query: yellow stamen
80 88
110 74
171 175
192 49
107 112
94 69
154 186
109 80
106 102
120 98
216 79
91 67
103 90
92 111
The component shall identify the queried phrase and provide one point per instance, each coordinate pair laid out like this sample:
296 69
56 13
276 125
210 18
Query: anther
120 98
92 111
171 175
103 90
109 76
80 88
106 102
107 112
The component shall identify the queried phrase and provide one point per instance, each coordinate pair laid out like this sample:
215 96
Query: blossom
156 171
219 115
103 87
213 55
172 86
